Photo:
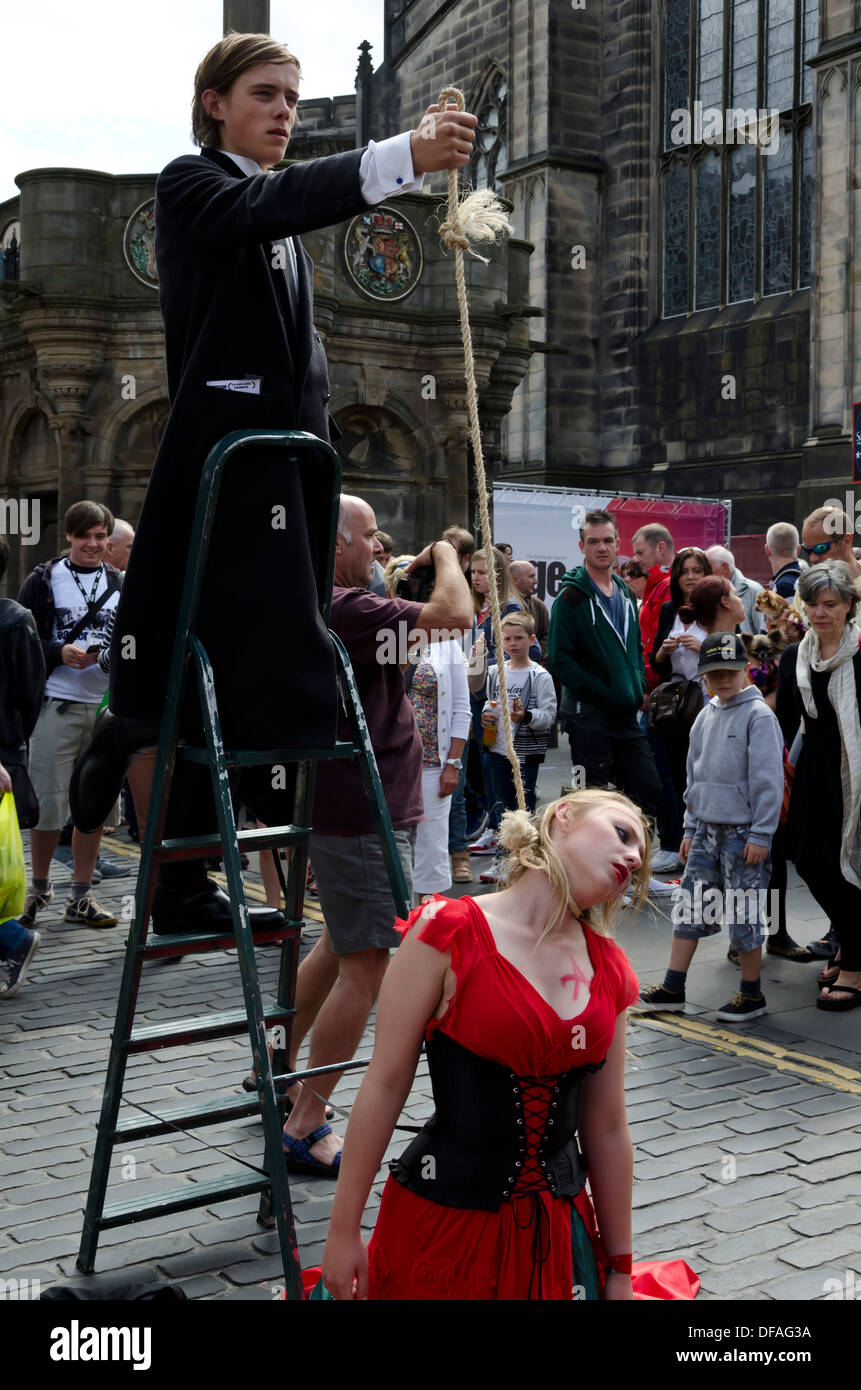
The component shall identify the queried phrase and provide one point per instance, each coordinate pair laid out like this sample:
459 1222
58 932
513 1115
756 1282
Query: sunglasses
821 549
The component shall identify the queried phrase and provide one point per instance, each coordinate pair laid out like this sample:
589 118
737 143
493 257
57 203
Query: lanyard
89 599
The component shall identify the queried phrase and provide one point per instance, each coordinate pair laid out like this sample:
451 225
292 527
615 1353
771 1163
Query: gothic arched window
737 160
491 137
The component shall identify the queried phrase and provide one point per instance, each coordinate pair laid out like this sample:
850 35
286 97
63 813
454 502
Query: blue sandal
298 1157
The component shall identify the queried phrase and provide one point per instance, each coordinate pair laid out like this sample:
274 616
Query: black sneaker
18 964
35 903
656 999
86 912
742 1006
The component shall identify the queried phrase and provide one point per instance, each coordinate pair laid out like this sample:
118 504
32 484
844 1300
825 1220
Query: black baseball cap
722 651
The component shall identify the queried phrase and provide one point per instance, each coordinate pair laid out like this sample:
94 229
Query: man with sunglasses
827 535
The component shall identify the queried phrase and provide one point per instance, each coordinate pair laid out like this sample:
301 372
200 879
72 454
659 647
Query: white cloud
107 84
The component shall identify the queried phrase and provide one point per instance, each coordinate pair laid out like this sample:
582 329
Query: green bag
13 873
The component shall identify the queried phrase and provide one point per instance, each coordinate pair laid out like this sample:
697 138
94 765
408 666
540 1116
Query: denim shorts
718 888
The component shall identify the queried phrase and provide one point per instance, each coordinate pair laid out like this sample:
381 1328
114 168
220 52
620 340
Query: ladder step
183 1030
198 943
210 846
197 1194
192 1115
250 757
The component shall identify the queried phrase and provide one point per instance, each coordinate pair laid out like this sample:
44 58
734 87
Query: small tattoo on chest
577 978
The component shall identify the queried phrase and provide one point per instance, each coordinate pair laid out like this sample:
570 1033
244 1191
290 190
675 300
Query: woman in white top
440 698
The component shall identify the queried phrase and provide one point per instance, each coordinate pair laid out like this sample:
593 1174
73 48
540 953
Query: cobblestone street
746 1139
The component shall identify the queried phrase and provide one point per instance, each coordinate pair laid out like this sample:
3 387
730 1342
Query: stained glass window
707 239
677 62
676 241
741 250
736 181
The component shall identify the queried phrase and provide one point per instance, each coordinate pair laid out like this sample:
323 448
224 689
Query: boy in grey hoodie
732 799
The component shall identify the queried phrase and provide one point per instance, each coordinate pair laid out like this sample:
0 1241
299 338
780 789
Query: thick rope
479 215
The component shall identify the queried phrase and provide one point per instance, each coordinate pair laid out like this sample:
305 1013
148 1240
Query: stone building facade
743 388
676 316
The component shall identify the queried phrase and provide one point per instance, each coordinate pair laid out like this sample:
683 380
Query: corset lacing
537 1103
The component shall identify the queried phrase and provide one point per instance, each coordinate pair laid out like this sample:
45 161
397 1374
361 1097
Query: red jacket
656 593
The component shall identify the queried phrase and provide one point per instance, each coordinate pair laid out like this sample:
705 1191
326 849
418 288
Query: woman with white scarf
819 680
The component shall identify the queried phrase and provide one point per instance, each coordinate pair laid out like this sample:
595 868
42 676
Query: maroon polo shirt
375 632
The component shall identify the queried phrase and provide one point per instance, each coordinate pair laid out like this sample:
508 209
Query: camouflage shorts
718 888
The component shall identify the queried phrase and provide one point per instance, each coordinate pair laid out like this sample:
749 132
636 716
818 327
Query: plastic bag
13 873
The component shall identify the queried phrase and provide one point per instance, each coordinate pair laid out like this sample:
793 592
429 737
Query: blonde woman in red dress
521 1000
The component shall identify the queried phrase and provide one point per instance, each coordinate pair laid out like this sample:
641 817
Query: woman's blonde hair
528 844
394 572
502 570
224 62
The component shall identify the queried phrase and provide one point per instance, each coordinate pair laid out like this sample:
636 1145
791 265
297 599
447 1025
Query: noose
479 215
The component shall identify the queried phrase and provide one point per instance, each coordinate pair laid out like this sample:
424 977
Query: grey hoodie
735 767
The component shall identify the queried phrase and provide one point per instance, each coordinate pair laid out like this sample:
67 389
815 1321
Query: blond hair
524 620
528 844
225 61
393 573
502 571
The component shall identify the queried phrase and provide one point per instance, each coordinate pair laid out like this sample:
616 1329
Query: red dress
422 1250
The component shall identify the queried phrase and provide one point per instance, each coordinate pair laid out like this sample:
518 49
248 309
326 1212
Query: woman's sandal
829 973
839 1005
297 1153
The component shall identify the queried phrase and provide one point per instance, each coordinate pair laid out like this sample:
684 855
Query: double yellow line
819 1069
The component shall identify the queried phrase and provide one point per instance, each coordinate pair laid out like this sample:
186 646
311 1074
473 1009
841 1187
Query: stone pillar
835 357
246 16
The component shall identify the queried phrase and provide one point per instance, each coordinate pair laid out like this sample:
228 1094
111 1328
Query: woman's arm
662 666
606 1142
411 994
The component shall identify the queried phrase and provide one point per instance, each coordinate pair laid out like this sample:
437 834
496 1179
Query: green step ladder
270 1179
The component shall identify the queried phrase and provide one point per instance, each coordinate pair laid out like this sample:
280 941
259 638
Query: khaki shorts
55 746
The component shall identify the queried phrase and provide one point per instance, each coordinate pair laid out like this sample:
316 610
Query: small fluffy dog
780 617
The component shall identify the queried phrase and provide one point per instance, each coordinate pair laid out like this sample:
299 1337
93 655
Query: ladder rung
194 1115
214 1025
197 1194
250 757
198 943
200 846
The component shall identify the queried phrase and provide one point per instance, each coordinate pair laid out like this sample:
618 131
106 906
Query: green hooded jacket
587 655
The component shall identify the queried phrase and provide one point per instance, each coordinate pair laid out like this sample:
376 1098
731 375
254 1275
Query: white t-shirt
70 605
515 681
684 662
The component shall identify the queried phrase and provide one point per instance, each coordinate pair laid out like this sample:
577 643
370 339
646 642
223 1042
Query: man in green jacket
594 650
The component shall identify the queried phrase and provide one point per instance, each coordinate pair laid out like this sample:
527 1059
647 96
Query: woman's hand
689 642
5 780
618 1288
667 647
345 1267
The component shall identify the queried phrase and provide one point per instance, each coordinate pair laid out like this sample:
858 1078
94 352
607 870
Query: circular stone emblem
139 244
382 254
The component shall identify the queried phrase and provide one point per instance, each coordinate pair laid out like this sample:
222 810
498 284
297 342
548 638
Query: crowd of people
713 727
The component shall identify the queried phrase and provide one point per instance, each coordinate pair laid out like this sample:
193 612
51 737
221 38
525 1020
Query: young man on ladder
242 353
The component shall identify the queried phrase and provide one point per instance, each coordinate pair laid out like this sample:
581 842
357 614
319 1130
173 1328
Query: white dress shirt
385 171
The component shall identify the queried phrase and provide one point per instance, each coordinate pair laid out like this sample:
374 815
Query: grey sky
107 84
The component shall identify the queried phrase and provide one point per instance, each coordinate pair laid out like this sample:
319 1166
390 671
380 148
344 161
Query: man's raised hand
444 139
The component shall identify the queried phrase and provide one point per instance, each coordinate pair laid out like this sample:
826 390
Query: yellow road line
822 1070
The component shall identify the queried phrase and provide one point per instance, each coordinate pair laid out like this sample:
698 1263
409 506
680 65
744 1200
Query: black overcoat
227 313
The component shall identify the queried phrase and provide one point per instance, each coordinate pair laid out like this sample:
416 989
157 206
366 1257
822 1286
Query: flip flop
826 980
297 1153
839 1005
